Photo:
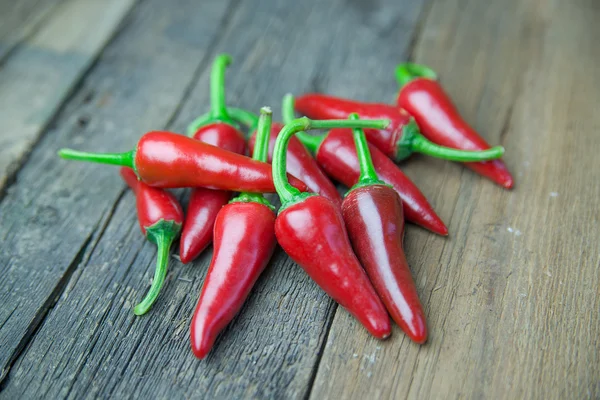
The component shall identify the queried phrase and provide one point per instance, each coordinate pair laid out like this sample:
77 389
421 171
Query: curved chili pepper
310 229
425 99
373 215
160 217
299 161
336 154
204 204
169 160
244 241
399 140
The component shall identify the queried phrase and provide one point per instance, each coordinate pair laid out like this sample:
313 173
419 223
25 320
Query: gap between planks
97 232
43 71
26 27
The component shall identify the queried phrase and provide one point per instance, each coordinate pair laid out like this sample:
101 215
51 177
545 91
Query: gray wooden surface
511 295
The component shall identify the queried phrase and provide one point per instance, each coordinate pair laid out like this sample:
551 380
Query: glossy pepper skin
375 224
160 217
373 215
399 140
337 156
322 106
300 162
169 160
204 204
310 229
312 233
424 98
303 166
244 241
197 232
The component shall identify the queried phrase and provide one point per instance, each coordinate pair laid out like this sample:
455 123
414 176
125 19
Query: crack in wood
38 320
46 15
329 322
82 256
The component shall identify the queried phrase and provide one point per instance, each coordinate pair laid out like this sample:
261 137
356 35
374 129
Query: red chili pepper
399 140
160 217
169 160
373 215
311 230
425 99
244 241
217 130
299 161
336 154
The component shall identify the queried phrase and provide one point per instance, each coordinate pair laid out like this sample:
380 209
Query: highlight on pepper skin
351 246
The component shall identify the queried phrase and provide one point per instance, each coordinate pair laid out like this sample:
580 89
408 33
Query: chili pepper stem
412 141
421 145
311 142
409 71
261 146
287 108
287 193
261 153
197 123
218 109
162 234
368 175
217 86
122 159
247 118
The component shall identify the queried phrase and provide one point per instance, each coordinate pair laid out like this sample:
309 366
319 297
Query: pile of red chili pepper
352 247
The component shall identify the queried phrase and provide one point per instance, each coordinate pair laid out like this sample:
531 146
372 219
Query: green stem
240 115
368 175
408 71
244 117
344 123
412 141
263 134
218 106
122 159
260 153
422 145
311 142
162 234
198 122
287 108
287 193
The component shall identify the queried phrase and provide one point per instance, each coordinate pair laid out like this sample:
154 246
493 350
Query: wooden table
512 295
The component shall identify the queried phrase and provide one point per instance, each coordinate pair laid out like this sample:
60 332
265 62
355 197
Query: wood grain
44 69
53 216
20 19
512 295
276 339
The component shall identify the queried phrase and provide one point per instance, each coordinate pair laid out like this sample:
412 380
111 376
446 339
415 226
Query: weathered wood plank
271 348
44 69
19 19
55 213
512 295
